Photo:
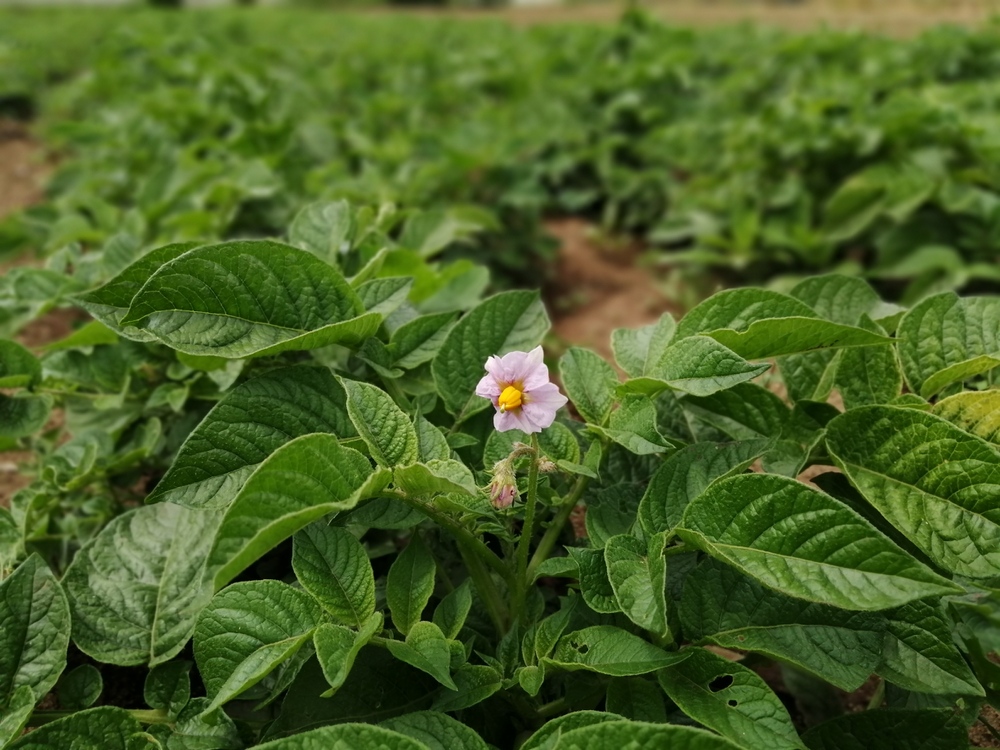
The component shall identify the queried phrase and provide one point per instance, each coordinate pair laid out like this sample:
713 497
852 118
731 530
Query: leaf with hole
608 650
731 699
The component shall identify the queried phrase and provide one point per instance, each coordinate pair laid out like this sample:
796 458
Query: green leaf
409 584
386 430
279 406
23 414
637 699
757 323
436 730
324 229
945 339
638 349
731 699
249 298
890 729
636 576
302 481
609 650
35 632
698 365
346 736
633 426
805 544
384 295
566 723
168 687
931 480
110 302
431 442
103 728
614 735
589 382
977 412
920 653
19 368
85 338
429 232
869 375
451 611
136 589
249 630
434 478
428 650
506 322
80 688
16 714
736 612
419 340
337 648
475 684
199 727
686 474
333 566
842 299
592 572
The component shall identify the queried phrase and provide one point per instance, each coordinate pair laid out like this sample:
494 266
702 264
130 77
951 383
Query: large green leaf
249 424
249 630
805 544
419 340
16 714
932 481
23 414
920 653
333 566
110 302
634 735
609 650
758 323
977 412
103 728
698 365
302 481
409 584
136 589
946 339
731 699
437 731
686 474
346 736
506 322
386 430
638 350
249 298
589 382
734 611
324 229
35 632
890 729
567 723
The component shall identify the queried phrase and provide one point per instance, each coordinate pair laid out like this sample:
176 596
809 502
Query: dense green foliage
262 514
744 149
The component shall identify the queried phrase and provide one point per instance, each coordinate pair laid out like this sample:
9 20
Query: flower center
509 399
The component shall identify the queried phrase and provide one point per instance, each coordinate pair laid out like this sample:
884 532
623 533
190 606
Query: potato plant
320 492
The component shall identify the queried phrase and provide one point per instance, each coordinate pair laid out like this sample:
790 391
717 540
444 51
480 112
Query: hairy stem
552 533
527 531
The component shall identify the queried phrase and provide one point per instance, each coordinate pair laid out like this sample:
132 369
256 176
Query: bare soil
599 288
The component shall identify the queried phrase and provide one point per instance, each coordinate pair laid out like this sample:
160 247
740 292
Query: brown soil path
599 288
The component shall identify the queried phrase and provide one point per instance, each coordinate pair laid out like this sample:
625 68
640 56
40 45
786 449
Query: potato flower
518 385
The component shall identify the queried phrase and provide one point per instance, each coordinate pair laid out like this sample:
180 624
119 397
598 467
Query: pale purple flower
518 385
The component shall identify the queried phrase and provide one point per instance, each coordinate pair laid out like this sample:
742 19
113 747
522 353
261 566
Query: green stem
495 607
552 533
878 696
152 716
527 531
